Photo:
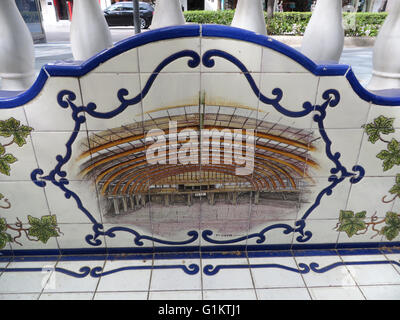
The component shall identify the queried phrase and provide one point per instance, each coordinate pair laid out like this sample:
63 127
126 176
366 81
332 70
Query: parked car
121 14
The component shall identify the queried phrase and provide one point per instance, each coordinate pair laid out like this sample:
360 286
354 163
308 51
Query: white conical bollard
17 56
89 30
167 13
323 39
249 15
386 63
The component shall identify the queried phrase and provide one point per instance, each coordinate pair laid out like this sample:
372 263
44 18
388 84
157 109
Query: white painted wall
184 4
211 5
48 11
105 3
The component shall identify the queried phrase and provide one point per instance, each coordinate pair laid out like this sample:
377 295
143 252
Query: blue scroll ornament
66 100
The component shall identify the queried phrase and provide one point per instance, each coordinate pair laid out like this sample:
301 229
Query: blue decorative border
209 269
303 268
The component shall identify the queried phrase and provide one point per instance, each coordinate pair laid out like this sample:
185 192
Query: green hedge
294 23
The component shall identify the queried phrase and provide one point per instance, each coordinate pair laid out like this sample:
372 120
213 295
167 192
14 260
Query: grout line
98 282
302 276
151 277
252 277
351 275
48 279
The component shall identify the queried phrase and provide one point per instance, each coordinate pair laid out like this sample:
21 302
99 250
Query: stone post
17 56
167 13
89 30
116 206
249 15
323 39
386 63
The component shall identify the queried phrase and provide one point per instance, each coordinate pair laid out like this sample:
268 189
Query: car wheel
143 24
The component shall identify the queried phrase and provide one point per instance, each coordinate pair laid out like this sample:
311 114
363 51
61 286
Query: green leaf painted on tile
4 237
5 162
44 228
3 225
381 125
13 128
391 156
396 188
392 228
351 223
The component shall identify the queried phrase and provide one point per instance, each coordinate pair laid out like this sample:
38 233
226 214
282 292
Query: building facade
61 10
32 15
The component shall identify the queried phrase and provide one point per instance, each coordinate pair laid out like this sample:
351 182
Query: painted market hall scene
200 150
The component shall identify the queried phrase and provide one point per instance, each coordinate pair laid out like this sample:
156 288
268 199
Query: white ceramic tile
141 295
20 296
351 112
273 61
248 54
124 63
50 145
126 239
128 280
273 236
227 278
66 283
24 161
336 293
229 89
33 204
3 265
360 237
275 277
347 142
171 90
67 296
31 243
74 236
269 209
67 210
369 155
45 114
388 112
388 292
175 232
219 233
297 89
394 257
323 231
175 279
338 276
175 295
236 294
329 205
102 90
361 198
26 282
226 221
151 55
16 113
372 274
283 294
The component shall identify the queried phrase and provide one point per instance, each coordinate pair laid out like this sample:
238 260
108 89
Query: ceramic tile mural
317 153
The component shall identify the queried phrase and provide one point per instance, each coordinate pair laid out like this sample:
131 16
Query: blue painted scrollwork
66 99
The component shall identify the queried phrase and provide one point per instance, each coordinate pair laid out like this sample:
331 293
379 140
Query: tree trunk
270 8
